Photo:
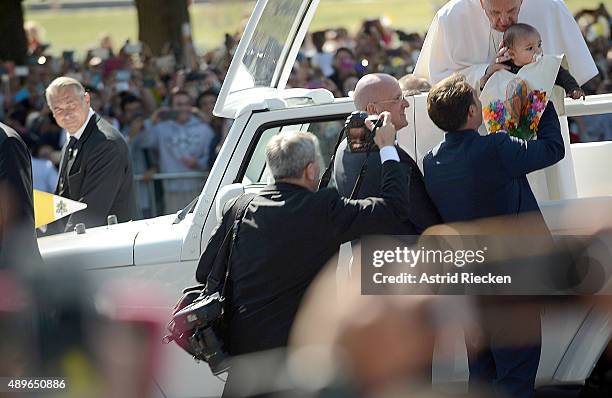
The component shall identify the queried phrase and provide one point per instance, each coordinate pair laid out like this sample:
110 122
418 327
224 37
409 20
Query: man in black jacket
17 233
288 233
96 168
376 93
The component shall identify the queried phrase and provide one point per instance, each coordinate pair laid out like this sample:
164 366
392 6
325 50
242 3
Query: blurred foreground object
379 343
17 233
101 341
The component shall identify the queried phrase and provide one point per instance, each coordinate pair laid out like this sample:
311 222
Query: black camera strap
361 176
330 167
221 267
364 165
328 171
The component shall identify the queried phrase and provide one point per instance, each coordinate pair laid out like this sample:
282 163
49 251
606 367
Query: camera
359 137
202 321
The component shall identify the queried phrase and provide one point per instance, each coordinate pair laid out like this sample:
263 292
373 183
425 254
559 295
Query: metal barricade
164 176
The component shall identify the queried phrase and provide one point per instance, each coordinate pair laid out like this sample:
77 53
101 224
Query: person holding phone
183 143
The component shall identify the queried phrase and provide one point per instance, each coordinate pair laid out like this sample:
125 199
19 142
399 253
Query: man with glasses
96 168
374 94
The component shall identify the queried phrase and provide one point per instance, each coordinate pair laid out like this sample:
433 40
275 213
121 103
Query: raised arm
353 218
520 157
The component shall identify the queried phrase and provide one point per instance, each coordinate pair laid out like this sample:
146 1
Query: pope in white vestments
465 36
461 39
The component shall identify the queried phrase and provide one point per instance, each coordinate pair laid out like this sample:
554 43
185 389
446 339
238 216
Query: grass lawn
82 29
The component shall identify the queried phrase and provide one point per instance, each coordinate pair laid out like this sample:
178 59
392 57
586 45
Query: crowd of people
137 94
134 92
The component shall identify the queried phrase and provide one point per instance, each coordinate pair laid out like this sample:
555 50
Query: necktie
63 172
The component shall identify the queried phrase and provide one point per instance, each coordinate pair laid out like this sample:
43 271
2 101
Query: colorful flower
525 127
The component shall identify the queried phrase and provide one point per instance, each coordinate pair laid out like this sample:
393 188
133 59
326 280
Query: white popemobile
163 252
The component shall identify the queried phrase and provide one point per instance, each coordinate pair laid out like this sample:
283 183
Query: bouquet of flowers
520 114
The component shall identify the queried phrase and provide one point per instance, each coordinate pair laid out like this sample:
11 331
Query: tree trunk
13 45
160 24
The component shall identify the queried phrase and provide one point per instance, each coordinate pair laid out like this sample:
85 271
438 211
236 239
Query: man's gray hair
288 155
60 84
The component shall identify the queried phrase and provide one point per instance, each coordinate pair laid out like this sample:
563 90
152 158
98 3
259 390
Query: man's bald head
373 88
379 92
501 13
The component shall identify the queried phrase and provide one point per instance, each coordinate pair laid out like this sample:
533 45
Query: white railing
591 161
592 105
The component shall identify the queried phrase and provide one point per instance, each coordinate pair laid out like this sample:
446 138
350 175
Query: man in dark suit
469 177
288 233
17 233
95 168
376 93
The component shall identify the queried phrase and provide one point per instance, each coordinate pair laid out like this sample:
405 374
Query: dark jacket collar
457 136
89 129
283 187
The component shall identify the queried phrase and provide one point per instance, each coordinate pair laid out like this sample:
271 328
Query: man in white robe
466 36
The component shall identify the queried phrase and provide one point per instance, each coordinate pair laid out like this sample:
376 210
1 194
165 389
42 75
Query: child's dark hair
517 30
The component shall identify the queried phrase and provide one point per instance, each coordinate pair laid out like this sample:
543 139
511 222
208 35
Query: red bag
190 294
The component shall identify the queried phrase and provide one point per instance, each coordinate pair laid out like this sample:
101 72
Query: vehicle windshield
269 46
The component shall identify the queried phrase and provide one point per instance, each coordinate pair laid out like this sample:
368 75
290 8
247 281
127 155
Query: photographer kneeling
289 231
